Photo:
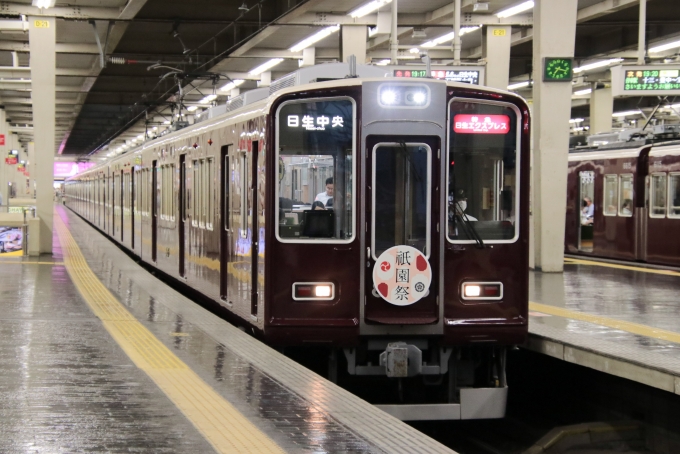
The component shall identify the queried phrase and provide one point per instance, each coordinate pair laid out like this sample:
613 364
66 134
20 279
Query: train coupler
402 360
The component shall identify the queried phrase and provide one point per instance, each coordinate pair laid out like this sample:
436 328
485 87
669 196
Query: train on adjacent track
636 197
384 219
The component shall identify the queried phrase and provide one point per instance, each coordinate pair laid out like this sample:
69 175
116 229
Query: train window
626 195
658 195
483 172
674 195
209 185
315 153
610 192
401 196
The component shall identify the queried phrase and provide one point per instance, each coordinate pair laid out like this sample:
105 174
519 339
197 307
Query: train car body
636 193
439 169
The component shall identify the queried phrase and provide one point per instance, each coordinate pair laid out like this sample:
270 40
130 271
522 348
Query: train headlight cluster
304 291
413 96
482 291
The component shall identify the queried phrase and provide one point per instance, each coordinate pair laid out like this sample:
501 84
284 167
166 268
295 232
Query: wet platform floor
66 385
620 319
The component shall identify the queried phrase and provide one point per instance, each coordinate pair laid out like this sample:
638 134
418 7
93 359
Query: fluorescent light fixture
207 99
233 84
664 47
576 120
516 9
318 36
448 37
626 113
368 8
265 66
586 91
517 85
597 64
44 3
414 50
383 62
192 108
140 137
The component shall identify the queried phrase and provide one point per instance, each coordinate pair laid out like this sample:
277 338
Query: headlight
482 291
306 291
404 95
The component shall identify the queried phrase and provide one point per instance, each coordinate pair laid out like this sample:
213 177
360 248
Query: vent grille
235 103
284 82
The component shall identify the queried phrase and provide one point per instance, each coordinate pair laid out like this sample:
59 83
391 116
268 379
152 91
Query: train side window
196 193
316 170
172 197
611 183
626 195
226 211
674 195
209 193
658 195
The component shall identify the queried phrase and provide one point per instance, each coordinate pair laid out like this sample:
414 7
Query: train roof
671 148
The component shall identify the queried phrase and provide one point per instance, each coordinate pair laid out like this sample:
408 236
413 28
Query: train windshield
483 171
315 152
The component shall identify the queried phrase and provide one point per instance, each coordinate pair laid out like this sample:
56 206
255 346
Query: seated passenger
327 194
627 207
588 212
317 205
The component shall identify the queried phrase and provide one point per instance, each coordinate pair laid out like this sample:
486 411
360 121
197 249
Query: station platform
621 319
97 355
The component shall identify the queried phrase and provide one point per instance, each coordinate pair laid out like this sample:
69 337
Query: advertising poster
10 241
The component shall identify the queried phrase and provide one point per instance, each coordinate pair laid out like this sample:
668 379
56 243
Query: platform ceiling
206 42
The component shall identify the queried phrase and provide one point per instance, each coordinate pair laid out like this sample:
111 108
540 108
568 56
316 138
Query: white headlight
472 290
322 291
388 97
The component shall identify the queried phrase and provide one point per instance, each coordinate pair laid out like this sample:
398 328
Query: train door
255 231
133 199
402 208
585 220
154 210
225 232
182 213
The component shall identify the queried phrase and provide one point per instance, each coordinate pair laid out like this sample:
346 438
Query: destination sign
315 124
481 124
465 76
646 80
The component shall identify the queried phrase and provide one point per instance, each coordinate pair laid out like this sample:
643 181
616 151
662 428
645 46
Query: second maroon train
636 198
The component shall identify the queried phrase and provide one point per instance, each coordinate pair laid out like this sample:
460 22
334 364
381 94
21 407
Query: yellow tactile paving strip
634 328
220 423
570 261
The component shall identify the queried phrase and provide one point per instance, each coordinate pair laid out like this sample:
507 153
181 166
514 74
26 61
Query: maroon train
636 193
280 208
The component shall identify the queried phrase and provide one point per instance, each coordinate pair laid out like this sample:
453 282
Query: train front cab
442 169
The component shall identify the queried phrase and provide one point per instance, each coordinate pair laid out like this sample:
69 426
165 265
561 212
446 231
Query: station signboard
648 80
63 169
463 74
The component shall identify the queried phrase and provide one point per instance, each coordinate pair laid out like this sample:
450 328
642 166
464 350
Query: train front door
585 220
402 209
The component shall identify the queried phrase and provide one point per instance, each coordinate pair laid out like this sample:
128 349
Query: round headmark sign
402 275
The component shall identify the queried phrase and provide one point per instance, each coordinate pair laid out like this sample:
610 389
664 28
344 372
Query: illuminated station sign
651 80
463 75
481 124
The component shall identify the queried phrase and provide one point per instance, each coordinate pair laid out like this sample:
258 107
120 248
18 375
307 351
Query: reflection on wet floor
619 294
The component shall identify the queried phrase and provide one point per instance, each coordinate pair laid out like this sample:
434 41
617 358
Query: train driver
461 205
327 195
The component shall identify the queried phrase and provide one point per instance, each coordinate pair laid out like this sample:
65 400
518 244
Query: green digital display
558 69
652 79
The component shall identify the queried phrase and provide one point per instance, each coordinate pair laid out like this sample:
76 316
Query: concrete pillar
552 109
42 42
265 79
354 42
496 48
31 167
308 57
4 152
601 110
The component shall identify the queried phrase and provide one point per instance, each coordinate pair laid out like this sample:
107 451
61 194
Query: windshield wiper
469 229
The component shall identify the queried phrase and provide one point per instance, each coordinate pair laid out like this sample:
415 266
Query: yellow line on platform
634 328
226 429
570 261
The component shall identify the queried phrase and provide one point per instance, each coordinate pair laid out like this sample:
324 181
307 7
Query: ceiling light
626 113
664 47
140 137
265 66
414 50
368 8
384 62
192 108
207 99
233 84
586 91
44 3
448 37
515 9
517 85
166 122
318 36
576 120
597 64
